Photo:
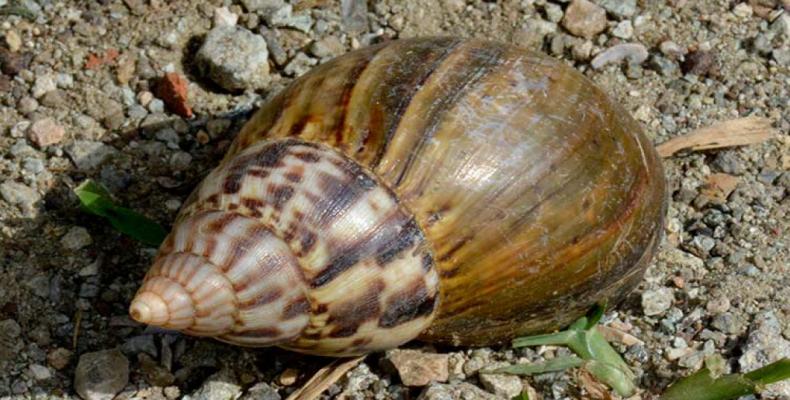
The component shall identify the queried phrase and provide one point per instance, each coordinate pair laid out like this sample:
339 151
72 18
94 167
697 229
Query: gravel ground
95 90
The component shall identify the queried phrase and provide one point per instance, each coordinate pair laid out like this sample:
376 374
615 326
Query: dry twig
324 378
735 132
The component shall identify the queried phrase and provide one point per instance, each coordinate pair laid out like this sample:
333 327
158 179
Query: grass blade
553 365
96 200
704 385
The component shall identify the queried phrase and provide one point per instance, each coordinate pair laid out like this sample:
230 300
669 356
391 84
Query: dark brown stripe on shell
348 254
405 239
265 298
346 317
296 308
338 195
408 304
259 333
401 83
280 195
481 62
269 156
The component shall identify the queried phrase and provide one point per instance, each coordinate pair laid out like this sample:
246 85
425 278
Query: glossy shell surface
518 191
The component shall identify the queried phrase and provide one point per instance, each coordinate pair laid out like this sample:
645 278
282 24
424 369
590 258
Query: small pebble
699 62
43 84
417 368
59 358
623 30
27 105
224 17
40 372
505 386
76 238
619 8
45 132
221 385
13 40
354 15
19 194
656 302
234 58
173 90
100 375
585 19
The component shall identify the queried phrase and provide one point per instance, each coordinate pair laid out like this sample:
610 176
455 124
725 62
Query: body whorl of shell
507 173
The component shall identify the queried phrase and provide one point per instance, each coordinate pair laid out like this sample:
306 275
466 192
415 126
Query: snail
447 190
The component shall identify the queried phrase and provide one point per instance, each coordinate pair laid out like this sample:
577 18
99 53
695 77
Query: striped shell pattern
455 191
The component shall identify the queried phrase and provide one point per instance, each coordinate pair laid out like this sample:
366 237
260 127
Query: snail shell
455 191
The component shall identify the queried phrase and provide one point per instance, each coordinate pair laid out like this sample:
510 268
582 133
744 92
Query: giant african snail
455 191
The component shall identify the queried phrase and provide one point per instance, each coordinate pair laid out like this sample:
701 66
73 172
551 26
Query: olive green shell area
538 195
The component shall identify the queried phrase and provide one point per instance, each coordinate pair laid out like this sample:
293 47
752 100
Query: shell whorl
292 244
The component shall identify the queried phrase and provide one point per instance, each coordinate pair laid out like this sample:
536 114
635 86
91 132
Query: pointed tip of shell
148 308
163 305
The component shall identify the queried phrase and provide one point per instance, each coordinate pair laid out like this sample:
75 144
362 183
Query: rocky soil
144 96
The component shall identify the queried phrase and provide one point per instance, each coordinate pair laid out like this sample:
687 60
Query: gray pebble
180 160
260 391
553 12
781 56
299 65
137 112
728 163
623 30
655 302
19 194
727 322
329 46
262 5
354 14
234 58
76 238
43 84
39 285
33 165
40 372
222 385
88 154
461 390
27 105
507 386
156 106
766 344
140 344
283 17
619 8
100 375
54 99
278 54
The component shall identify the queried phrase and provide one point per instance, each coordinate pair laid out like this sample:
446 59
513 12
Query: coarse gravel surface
88 89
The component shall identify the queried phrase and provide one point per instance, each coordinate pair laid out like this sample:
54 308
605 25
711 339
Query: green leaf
600 358
553 365
705 385
97 200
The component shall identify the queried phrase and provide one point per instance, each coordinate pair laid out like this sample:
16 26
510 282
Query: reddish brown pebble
172 89
45 132
699 63
93 61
